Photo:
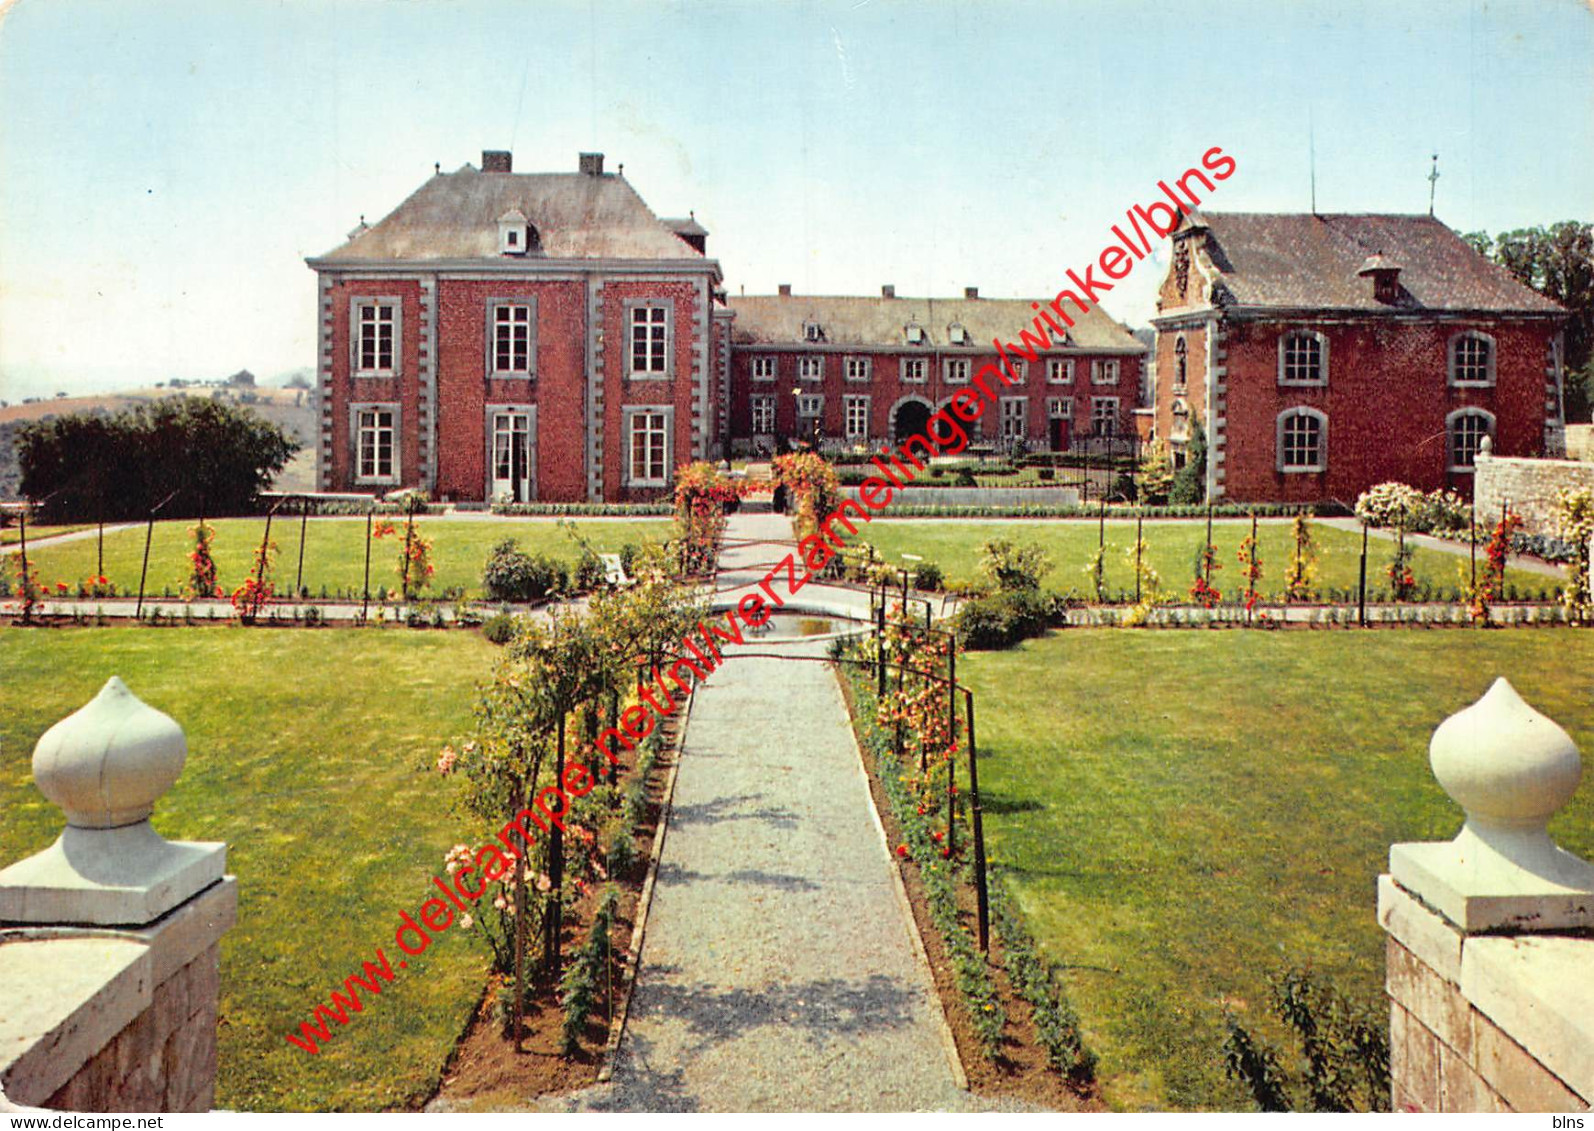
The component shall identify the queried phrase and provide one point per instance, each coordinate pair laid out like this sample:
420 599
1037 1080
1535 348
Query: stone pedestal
1490 967
109 938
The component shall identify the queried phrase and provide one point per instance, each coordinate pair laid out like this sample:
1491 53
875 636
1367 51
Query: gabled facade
1326 353
862 372
519 337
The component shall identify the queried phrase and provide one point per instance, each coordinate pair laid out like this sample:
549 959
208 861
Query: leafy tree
211 457
1556 260
1190 481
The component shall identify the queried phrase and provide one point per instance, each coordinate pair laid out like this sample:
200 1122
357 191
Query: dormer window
957 335
514 233
915 335
813 332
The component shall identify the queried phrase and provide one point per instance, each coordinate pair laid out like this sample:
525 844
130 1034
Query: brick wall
1386 399
886 391
1528 487
465 390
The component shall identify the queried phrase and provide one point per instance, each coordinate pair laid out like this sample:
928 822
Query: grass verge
1172 548
334 553
1180 814
304 755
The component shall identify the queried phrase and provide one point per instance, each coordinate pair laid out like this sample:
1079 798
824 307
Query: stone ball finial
107 762
1505 763
1486 446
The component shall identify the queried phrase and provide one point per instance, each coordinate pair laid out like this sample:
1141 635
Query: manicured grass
334 556
305 754
1172 548
11 535
1183 813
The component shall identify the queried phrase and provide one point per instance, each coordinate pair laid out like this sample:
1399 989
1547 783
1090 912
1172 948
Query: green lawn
304 754
1172 547
11 535
334 556
1182 813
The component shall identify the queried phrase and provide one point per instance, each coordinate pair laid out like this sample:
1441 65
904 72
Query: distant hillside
293 410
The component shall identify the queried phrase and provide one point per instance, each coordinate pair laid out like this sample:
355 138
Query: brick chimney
591 164
785 290
971 292
497 161
887 290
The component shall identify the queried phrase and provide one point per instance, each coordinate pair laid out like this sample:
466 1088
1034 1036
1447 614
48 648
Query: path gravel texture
780 970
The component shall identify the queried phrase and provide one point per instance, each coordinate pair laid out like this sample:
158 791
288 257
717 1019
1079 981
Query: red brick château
1326 353
547 337
519 337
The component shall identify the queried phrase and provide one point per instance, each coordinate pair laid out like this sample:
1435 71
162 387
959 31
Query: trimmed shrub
514 575
499 628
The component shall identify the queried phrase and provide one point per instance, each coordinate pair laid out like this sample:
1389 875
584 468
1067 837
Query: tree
210 458
1190 481
1557 261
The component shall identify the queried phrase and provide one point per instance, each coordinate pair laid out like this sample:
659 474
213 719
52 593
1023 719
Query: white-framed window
764 368
1302 440
915 335
1059 371
1465 429
648 447
1015 410
650 340
955 371
813 332
376 338
1018 367
1059 408
857 417
513 335
856 368
1104 372
1104 416
915 369
1471 359
810 368
957 334
763 415
811 405
1303 358
376 453
1180 357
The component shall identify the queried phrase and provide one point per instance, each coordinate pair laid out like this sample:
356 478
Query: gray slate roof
879 322
1305 260
577 216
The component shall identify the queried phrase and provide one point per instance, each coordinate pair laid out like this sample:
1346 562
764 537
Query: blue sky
168 165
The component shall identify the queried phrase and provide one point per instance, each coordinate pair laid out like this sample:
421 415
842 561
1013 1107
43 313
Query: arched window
1181 267
1303 358
1302 440
1464 430
1179 357
1472 359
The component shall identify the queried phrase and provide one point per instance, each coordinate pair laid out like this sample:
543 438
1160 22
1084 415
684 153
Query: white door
512 453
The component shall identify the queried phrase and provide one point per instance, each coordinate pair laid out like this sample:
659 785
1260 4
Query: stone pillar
1490 968
109 938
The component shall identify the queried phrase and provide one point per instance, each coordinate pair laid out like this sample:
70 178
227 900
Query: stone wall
1448 1054
1528 487
1580 442
166 1059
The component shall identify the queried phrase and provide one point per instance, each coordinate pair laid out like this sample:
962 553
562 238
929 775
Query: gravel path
781 970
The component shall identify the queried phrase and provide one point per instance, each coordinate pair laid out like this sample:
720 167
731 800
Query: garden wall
1580 441
1528 486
